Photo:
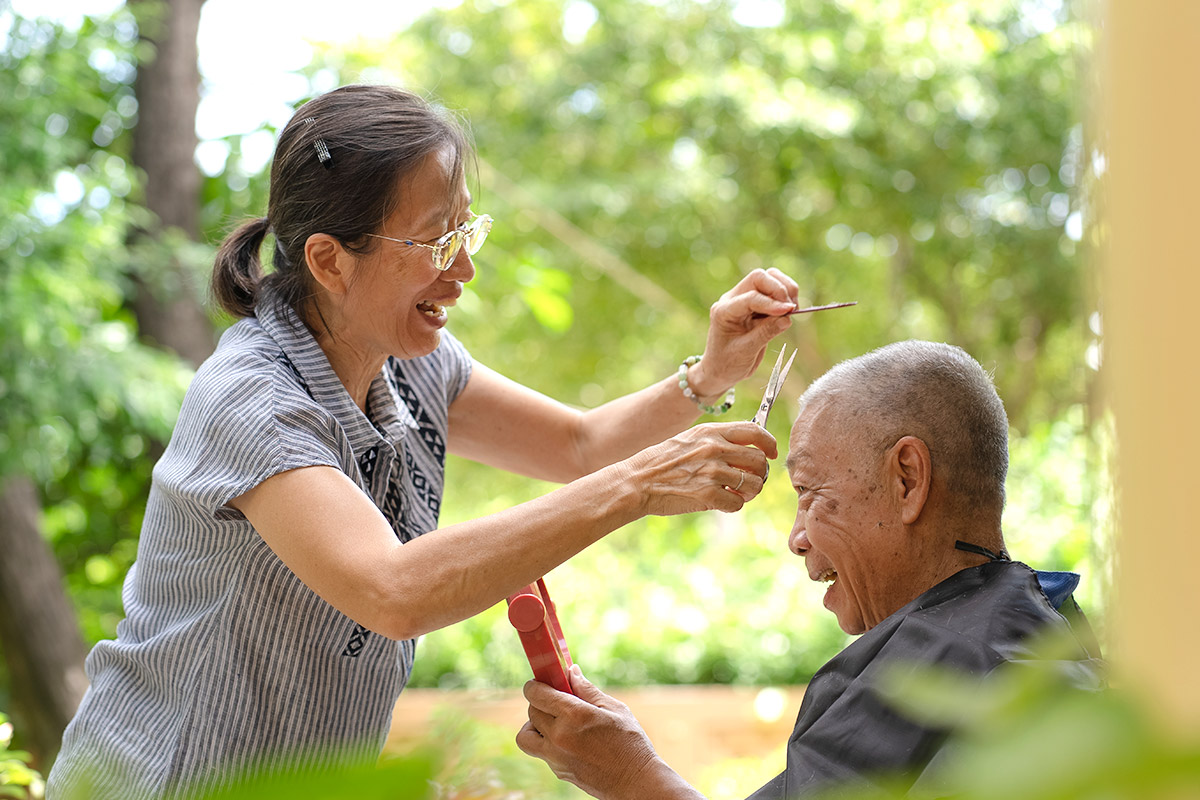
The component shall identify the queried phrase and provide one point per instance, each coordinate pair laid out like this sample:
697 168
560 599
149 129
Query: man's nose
798 542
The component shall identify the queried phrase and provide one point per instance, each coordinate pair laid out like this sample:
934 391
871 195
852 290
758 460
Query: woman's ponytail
238 269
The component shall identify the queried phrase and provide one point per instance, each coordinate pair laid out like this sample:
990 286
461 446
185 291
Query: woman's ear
911 473
330 264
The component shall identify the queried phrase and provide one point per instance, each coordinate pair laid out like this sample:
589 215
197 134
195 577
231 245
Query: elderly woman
290 553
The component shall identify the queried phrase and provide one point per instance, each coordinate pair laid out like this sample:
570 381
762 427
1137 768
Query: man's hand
593 741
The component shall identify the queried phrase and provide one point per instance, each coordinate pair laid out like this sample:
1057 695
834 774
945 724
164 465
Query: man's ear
330 264
911 474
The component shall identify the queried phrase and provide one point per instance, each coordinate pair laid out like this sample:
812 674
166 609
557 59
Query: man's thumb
582 687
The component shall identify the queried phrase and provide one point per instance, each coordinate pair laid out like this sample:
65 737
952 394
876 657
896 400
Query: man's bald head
937 393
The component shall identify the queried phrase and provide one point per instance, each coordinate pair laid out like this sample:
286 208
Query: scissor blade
775 369
778 373
786 369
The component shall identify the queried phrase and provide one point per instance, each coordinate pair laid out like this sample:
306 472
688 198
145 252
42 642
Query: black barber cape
975 621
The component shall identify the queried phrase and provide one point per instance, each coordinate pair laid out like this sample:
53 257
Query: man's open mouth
430 308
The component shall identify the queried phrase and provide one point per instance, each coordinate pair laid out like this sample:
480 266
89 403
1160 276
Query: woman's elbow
381 608
396 623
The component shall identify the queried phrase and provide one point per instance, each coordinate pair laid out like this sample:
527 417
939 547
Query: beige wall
1150 299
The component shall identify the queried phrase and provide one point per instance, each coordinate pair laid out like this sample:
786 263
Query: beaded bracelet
690 395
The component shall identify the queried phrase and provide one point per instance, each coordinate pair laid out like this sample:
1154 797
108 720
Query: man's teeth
430 309
827 576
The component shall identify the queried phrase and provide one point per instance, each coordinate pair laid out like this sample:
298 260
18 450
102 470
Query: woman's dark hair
336 168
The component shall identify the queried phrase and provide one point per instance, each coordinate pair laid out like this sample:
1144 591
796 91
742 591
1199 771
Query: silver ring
740 480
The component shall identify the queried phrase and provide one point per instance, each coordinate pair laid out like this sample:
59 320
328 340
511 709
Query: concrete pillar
1151 300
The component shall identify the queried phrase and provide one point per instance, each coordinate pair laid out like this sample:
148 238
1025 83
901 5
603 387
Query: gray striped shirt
226 662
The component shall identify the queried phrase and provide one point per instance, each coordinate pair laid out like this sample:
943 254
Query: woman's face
398 302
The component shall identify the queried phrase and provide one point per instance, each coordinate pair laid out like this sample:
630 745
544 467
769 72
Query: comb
532 613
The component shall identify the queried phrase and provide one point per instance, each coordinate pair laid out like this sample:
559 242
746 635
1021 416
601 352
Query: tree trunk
169 310
43 648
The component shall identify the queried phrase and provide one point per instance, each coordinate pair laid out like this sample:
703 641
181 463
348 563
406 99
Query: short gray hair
941 395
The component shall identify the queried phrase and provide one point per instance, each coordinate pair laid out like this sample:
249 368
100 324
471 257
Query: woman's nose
462 268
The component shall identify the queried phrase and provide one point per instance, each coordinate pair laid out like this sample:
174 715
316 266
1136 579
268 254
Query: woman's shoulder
248 375
244 345
247 415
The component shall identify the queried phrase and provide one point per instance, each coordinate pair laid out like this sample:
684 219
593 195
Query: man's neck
935 558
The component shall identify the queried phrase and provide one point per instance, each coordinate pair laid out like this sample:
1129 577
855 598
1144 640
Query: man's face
847 526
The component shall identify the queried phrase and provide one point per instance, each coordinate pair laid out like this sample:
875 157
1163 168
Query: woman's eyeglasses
471 234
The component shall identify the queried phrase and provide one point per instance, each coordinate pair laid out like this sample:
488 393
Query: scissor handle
532 613
760 416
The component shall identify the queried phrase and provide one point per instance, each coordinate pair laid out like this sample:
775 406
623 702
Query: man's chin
849 620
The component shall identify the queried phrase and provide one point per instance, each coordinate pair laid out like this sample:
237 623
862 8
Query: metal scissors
778 375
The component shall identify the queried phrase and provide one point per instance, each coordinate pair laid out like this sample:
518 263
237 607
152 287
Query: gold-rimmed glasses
471 233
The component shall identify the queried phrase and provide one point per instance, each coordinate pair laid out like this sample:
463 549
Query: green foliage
920 157
1025 733
923 158
1022 733
83 399
717 598
17 779
461 760
398 779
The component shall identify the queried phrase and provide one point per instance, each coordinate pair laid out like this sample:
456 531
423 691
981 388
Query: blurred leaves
1020 732
1026 732
83 399
462 760
924 158
920 157
17 778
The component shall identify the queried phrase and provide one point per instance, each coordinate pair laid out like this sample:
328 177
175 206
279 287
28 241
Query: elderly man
899 460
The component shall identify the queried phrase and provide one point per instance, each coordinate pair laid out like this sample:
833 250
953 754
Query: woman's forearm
500 423
334 538
458 571
622 427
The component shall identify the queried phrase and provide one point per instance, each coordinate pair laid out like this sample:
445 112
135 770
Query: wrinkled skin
593 741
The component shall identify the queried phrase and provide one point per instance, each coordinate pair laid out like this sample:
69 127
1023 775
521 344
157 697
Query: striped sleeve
457 365
243 421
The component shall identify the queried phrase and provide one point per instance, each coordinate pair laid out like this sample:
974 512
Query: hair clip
322 149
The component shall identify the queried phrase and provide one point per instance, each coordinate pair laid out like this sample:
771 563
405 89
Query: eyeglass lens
473 236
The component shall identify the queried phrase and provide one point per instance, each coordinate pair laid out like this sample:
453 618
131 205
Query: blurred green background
929 160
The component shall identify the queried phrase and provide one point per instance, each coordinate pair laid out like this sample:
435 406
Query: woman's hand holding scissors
715 466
